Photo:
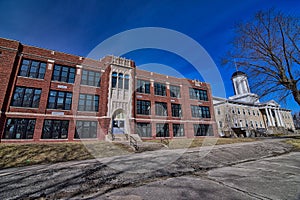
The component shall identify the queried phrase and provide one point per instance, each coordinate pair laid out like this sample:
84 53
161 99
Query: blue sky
77 26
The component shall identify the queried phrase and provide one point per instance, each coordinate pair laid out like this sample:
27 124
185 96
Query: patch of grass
205 141
16 155
295 143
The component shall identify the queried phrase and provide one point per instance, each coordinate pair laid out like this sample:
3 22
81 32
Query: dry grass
15 155
295 143
198 142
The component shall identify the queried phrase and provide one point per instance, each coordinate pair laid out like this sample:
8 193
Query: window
238 110
63 74
114 77
220 124
59 100
200 111
26 97
86 129
162 130
88 102
198 94
178 130
176 110
32 69
203 130
55 129
143 129
253 112
90 78
257 113
249 112
233 111
174 91
143 86
120 81
126 82
19 129
219 111
143 107
160 89
244 111
161 109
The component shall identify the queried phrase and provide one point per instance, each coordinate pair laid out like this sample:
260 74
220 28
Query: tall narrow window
32 69
26 97
19 128
126 82
114 78
120 81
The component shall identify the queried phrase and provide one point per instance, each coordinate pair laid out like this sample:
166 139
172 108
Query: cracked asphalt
267 169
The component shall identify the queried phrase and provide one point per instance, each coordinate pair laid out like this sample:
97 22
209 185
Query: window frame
175 91
57 98
58 131
60 78
176 110
180 128
200 111
166 130
27 129
35 94
143 86
160 89
141 126
161 109
203 130
140 104
86 132
198 94
94 99
96 78
27 73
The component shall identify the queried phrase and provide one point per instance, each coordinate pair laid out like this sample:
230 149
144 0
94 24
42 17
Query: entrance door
118 126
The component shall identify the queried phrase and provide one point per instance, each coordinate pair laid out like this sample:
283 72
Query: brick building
52 96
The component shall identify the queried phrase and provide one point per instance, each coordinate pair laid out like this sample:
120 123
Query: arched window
126 82
121 76
114 79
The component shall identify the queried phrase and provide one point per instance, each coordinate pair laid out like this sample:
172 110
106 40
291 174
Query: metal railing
133 142
113 137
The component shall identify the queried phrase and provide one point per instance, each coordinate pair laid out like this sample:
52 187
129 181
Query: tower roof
237 73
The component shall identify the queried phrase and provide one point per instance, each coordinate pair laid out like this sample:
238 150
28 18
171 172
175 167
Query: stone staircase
135 142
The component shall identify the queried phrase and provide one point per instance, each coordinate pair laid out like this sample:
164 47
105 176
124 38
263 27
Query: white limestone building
244 114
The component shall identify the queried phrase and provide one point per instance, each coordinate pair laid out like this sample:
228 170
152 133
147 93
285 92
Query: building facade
53 96
243 113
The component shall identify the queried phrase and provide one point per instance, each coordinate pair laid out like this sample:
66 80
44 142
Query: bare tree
267 48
